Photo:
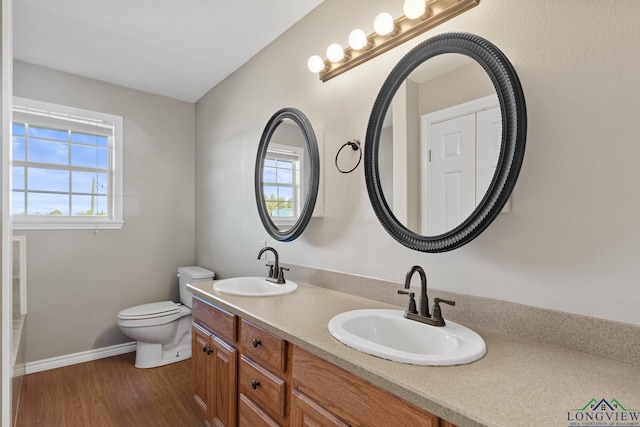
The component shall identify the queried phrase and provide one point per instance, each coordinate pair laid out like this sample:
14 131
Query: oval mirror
287 174
445 142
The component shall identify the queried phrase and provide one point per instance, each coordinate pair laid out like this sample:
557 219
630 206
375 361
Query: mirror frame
313 174
514 130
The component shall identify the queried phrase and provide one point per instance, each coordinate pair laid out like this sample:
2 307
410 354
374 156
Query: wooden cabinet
263 374
239 371
214 365
244 376
200 340
326 395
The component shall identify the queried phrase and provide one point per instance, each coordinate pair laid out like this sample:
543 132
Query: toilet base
149 355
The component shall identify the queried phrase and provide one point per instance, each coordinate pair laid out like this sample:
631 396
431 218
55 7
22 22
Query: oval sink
387 334
253 287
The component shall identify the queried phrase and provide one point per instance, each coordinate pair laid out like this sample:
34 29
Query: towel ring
355 145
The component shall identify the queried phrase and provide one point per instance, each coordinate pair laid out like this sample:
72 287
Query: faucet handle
270 270
281 275
437 313
412 302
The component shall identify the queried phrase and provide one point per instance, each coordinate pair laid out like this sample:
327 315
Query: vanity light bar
404 28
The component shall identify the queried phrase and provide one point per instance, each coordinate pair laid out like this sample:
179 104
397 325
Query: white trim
6 103
463 109
64 112
51 222
114 220
297 153
83 356
22 256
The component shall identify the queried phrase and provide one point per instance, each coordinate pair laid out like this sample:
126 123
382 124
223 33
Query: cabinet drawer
216 320
263 387
263 346
250 414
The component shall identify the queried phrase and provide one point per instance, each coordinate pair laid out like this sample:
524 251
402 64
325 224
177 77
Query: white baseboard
83 356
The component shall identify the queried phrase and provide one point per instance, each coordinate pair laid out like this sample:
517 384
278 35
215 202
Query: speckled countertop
517 383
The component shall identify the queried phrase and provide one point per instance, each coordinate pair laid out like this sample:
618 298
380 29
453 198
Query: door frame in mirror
313 174
514 130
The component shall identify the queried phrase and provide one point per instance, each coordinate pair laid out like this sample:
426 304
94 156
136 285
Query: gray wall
78 280
572 241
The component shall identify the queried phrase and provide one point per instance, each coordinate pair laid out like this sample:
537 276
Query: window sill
284 222
49 223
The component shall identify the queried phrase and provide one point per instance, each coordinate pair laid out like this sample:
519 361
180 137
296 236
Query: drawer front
263 387
263 346
250 414
216 320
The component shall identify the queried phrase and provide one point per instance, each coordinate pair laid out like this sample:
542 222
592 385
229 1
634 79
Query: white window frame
65 115
298 174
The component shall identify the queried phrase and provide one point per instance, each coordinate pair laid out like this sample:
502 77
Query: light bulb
383 24
335 52
357 39
414 9
315 64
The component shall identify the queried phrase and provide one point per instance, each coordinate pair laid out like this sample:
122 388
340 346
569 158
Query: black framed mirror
287 174
446 187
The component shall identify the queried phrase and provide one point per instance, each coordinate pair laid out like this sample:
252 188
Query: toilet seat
146 311
155 313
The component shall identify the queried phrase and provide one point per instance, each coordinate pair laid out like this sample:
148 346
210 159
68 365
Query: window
281 183
66 167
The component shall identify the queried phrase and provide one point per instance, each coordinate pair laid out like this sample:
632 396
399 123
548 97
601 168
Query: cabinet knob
255 384
255 342
207 349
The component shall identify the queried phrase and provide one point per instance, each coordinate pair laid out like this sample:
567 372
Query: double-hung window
281 183
66 167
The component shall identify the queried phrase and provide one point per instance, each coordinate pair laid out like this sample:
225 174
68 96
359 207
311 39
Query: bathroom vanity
244 375
271 361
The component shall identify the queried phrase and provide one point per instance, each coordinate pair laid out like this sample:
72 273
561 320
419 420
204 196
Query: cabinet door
224 375
200 375
307 413
351 398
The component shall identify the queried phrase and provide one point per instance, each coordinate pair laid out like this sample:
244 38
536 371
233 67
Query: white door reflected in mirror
440 144
460 151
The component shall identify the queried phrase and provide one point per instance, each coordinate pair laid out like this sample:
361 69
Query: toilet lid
154 309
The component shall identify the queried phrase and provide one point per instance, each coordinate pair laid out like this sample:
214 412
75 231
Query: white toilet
163 329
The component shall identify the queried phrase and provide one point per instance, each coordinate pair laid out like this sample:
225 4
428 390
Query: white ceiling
175 48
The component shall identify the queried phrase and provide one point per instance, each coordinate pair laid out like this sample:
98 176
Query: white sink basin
387 334
253 287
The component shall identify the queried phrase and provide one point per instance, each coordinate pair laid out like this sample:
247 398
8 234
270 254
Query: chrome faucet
423 314
276 273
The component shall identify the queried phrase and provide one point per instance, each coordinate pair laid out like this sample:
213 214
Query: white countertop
517 383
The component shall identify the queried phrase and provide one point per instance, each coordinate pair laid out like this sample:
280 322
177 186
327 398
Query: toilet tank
192 274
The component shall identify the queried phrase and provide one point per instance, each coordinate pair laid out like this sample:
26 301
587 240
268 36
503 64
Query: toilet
163 329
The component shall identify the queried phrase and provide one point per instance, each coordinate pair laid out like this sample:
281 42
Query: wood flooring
110 392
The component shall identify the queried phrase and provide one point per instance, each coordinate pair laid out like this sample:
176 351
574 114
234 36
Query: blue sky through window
63 172
278 184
